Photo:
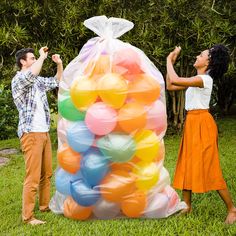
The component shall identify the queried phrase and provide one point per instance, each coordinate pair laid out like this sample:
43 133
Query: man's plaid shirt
24 86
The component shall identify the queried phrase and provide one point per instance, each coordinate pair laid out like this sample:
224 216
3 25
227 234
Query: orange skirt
198 166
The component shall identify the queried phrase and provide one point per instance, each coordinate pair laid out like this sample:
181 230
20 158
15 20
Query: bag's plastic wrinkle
112 120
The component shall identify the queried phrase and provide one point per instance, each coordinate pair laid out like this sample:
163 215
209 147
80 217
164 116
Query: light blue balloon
63 179
94 166
83 194
79 137
118 147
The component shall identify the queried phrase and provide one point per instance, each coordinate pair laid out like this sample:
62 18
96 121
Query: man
29 94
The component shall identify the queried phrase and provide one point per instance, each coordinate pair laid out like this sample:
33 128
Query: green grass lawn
208 210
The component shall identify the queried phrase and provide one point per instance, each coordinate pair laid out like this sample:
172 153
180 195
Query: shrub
8 114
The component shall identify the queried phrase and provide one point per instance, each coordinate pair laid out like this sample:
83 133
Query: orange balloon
117 128
68 159
126 61
83 92
119 70
74 211
132 117
126 166
116 185
98 68
112 89
134 204
144 89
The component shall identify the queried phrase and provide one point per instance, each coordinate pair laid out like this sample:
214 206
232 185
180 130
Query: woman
198 168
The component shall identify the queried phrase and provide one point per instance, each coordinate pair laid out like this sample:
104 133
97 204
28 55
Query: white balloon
62 126
106 210
57 202
157 206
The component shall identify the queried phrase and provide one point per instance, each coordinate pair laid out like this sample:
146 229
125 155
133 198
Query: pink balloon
157 118
157 206
173 197
100 118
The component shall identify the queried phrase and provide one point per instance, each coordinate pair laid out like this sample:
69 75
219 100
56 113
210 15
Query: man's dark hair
218 61
21 54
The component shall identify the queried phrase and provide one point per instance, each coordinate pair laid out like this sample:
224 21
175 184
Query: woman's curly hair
218 61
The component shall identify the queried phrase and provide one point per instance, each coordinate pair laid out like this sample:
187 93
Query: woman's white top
199 98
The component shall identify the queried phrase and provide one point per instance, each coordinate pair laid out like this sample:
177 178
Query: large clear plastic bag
110 132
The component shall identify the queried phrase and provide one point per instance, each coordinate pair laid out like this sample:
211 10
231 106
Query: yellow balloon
97 68
147 145
147 175
83 92
112 89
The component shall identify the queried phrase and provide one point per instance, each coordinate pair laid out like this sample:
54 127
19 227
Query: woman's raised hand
174 54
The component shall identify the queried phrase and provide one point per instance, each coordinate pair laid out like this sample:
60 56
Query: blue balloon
63 179
94 166
79 137
83 194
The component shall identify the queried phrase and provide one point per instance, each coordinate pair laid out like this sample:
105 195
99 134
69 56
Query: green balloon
118 147
67 110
